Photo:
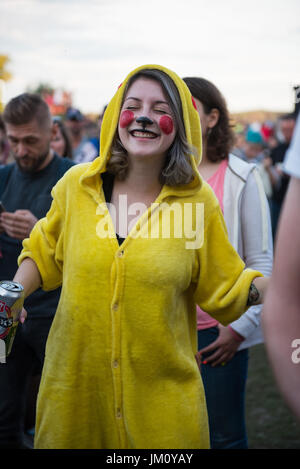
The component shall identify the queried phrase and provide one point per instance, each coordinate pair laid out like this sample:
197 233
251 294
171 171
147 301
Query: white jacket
247 216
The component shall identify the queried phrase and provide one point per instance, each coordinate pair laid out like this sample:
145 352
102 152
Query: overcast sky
249 49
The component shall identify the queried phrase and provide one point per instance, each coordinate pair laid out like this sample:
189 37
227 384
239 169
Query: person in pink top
239 189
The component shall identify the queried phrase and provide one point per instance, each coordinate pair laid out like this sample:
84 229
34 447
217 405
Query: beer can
11 304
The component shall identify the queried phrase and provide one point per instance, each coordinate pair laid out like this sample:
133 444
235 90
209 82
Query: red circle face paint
194 103
166 124
126 118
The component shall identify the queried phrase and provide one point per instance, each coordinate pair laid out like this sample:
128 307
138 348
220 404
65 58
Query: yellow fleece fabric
120 370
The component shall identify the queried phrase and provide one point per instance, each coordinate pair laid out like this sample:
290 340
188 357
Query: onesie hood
111 118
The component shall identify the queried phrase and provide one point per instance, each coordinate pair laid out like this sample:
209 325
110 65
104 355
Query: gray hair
177 169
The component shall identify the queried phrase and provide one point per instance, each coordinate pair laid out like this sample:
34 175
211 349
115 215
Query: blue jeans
225 396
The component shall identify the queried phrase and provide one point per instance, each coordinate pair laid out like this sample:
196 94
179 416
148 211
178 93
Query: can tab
11 286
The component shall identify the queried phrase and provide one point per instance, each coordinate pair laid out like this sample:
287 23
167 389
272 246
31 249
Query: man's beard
36 163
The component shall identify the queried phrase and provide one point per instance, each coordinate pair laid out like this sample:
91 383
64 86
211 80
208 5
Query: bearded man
25 193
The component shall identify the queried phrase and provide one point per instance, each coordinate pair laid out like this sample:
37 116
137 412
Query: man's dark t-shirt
30 192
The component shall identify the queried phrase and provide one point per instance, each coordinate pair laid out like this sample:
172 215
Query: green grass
270 423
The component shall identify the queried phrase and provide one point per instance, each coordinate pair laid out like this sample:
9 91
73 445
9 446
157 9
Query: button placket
116 308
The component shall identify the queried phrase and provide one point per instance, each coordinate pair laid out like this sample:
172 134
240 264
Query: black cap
73 114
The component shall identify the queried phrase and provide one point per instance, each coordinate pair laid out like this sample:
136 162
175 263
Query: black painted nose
144 121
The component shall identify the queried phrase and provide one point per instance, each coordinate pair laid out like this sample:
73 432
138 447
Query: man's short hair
26 107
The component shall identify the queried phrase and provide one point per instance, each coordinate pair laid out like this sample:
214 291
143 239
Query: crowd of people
146 339
264 143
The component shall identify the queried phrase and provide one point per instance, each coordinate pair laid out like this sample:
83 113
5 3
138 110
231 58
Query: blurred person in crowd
101 115
281 312
267 130
83 150
4 145
278 178
238 143
255 151
25 191
253 146
238 187
100 119
92 132
120 368
61 142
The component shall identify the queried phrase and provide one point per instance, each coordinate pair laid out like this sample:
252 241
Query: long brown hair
221 138
68 151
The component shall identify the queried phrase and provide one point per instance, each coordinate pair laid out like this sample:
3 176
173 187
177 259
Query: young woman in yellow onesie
136 239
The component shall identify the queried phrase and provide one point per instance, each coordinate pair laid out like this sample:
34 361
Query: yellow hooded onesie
120 368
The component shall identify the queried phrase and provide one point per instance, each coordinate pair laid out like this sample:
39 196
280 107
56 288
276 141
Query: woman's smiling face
153 135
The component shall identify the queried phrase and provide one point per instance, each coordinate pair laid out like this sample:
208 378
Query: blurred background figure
268 133
281 312
239 142
91 132
279 179
83 149
61 142
4 145
255 151
100 119
96 138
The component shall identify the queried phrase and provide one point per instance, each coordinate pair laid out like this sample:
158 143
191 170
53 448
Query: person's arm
29 277
223 283
258 289
281 311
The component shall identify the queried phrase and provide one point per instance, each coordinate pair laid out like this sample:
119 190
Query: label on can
6 319
11 302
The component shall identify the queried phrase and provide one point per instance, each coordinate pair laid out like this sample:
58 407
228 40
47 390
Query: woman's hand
224 347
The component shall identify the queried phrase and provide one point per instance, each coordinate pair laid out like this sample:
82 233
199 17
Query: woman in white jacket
239 189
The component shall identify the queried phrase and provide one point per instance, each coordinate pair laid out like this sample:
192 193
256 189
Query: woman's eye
160 111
